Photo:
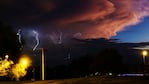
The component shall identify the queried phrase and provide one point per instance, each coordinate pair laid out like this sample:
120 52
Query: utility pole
42 49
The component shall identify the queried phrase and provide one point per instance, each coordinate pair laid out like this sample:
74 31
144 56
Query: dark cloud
83 18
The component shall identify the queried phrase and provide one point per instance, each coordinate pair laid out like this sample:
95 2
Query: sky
80 18
42 23
135 34
58 21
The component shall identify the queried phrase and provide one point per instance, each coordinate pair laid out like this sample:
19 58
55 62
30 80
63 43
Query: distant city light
130 74
110 74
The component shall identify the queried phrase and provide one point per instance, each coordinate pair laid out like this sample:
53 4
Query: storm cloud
81 18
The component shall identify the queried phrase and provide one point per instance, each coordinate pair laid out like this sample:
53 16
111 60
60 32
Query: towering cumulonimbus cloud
104 18
89 18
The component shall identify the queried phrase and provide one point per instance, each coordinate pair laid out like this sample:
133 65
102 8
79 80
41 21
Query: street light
144 54
6 56
24 62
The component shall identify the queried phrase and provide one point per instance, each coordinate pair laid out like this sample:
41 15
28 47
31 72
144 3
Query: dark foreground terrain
88 80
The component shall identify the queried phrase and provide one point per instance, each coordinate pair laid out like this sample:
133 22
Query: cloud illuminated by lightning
37 39
56 37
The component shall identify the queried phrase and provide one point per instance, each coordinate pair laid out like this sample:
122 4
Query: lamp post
144 54
42 63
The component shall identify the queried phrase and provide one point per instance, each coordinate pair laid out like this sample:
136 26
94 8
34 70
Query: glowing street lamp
6 56
24 62
144 54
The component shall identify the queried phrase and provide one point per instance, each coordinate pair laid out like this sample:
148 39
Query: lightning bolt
69 55
19 37
19 34
37 39
60 38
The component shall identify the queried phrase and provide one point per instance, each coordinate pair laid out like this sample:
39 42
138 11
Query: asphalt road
88 80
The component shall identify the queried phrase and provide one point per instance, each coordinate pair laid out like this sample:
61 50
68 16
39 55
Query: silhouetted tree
81 67
9 43
108 60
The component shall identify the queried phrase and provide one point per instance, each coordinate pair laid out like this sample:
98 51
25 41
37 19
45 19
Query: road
88 80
